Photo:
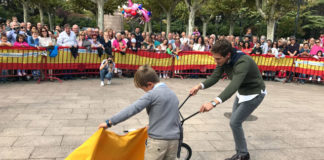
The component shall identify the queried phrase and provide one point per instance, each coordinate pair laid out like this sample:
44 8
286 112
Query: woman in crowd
82 41
106 42
199 45
45 40
119 44
164 45
247 49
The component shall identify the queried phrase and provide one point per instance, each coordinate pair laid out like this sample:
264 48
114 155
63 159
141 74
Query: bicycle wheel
186 152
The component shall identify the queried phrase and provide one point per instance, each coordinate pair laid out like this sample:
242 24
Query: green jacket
244 74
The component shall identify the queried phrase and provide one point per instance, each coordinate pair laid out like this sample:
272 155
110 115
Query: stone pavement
49 120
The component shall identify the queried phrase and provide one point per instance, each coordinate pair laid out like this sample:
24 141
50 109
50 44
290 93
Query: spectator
88 33
75 29
275 51
196 32
257 50
158 40
240 46
106 42
33 40
185 46
311 43
177 42
293 48
191 44
164 45
12 34
95 43
67 38
199 44
134 48
163 36
236 41
304 52
317 47
57 31
4 40
82 41
139 37
39 26
184 38
150 46
21 42
106 70
254 41
119 44
269 43
171 40
264 45
247 49
28 28
248 33
8 27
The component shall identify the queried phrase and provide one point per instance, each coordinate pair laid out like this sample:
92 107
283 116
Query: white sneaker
109 82
318 79
310 78
102 84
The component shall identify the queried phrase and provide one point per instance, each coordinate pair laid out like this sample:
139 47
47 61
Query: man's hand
206 107
103 125
195 89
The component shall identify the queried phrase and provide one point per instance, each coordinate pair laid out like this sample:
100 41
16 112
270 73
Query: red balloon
128 10
133 13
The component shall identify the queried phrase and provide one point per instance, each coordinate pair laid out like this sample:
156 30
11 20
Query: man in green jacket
246 80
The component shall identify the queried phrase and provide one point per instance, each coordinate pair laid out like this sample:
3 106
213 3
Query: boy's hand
103 125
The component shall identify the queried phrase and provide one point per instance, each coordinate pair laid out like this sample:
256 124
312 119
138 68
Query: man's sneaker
239 157
109 82
102 84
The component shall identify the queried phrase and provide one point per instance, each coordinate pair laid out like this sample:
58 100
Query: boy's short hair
3 35
145 74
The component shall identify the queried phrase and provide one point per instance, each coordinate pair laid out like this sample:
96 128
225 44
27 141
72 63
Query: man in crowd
139 38
75 29
67 38
15 30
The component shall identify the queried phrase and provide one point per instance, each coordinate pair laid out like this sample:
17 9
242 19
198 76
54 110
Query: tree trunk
150 27
191 22
271 28
41 14
145 27
205 28
168 14
24 3
231 30
100 5
50 21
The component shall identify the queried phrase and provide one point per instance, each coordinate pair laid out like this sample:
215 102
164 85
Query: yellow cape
106 145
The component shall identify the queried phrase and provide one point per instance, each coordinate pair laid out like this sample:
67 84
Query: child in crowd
4 40
21 42
257 50
161 104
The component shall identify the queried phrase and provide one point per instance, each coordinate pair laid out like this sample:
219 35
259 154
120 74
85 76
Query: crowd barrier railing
87 61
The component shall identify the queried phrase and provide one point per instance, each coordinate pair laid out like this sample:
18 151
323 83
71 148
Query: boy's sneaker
318 79
102 84
109 82
19 74
310 78
239 157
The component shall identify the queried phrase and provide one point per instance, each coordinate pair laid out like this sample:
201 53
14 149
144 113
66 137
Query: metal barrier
193 64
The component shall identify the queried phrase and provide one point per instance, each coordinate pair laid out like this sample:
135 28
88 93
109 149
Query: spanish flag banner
107 145
310 66
271 63
194 60
16 58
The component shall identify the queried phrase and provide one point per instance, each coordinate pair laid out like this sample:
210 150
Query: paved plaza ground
49 120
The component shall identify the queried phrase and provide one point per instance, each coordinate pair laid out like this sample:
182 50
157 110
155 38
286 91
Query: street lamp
217 21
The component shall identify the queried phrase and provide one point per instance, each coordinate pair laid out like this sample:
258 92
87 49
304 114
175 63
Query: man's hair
66 26
145 74
222 47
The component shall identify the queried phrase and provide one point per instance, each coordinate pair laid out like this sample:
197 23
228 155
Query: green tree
193 6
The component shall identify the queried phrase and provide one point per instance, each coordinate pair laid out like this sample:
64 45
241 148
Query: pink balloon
145 15
135 7
130 3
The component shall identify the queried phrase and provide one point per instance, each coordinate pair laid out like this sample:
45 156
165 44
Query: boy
161 105
106 70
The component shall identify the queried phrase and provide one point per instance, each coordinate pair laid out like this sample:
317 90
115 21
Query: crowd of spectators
14 33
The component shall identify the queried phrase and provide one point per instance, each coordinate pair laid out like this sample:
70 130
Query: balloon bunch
136 12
